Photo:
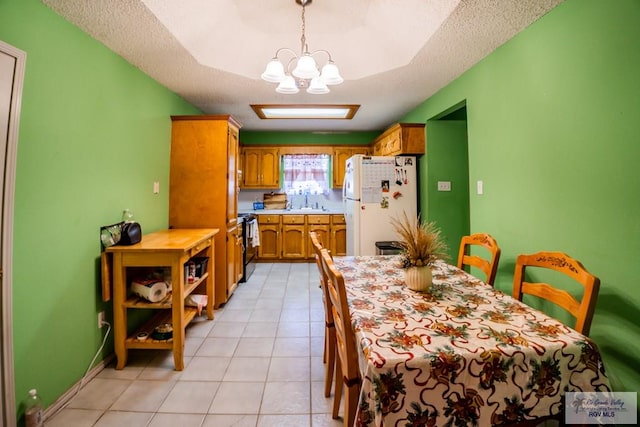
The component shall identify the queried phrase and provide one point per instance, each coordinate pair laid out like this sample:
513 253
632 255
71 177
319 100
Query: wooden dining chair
329 353
489 267
582 309
347 368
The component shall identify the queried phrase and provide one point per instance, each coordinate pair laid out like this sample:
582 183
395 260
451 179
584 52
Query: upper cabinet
401 138
340 156
260 167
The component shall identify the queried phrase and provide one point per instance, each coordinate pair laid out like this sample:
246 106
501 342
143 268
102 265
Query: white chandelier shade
306 72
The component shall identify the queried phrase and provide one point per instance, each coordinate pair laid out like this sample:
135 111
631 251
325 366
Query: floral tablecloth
462 354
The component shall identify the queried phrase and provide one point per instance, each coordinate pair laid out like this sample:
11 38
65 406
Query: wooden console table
167 248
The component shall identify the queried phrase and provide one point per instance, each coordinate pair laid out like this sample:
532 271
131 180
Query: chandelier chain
303 39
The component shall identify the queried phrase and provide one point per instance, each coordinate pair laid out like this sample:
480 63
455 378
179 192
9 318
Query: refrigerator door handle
344 185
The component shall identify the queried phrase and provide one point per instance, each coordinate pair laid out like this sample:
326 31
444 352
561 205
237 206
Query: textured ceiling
392 54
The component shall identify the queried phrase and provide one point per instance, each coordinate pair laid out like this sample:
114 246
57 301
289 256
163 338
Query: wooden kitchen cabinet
321 225
270 246
338 240
260 167
204 185
286 237
167 248
234 263
294 237
401 138
340 156
239 247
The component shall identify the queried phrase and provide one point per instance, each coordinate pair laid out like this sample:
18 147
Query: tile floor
258 363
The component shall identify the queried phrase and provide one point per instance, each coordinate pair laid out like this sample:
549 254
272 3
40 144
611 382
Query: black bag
131 233
120 233
110 234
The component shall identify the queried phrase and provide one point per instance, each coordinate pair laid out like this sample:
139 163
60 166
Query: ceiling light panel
283 111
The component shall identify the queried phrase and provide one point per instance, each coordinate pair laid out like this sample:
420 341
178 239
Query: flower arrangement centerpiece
422 244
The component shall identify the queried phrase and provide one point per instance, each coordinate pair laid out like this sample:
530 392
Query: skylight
311 111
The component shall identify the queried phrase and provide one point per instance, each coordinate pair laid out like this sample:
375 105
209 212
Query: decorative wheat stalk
422 243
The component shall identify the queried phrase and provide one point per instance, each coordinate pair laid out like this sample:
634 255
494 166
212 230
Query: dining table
462 353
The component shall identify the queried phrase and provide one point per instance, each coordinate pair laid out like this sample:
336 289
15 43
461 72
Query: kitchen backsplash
331 201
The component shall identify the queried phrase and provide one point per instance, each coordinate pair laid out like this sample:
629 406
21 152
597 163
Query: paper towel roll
152 292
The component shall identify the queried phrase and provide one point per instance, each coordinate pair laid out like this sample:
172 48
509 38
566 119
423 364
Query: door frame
7 378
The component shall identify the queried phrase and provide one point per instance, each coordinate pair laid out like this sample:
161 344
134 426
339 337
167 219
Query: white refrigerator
376 189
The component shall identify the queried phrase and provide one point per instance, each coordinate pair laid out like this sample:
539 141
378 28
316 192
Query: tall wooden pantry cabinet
203 188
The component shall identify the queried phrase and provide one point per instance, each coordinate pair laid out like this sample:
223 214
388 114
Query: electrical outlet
101 319
444 185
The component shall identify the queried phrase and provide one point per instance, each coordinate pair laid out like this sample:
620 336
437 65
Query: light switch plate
480 187
444 185
156 187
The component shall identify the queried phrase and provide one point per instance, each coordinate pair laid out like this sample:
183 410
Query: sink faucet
306 200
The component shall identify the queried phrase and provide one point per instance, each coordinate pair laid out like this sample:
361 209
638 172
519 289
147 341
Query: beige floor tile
286 398
275 290
239 315
316 314
175 420
143 396
242 301
319 403
249 369
317 368
295 315
317 346
200 327
238 398
254 347
230 420
269 303
223 347
70 417
121 419
291 347
265 315
289 369
325 420
227 329
100 393
162 373
191 345
284 421
293 329
130 372
260 329
317 328
190 397
205 369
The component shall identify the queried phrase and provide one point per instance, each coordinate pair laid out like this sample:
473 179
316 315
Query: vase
418 278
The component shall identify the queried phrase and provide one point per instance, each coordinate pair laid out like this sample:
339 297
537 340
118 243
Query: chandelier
305 69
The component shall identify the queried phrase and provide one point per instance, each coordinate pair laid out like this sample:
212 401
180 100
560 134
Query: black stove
248 222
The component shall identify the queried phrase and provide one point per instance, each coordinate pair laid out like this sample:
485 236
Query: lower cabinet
294 237
270 246
286 237
232 261
321 225
338 241
239 256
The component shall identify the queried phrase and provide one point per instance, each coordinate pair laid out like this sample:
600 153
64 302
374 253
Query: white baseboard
63 400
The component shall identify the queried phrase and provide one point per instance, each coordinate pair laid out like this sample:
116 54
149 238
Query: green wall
306 138
94 136
446 160
552 131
